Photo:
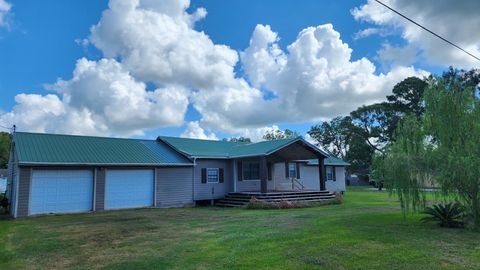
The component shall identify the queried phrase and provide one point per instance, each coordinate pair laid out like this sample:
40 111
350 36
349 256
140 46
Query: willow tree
441 148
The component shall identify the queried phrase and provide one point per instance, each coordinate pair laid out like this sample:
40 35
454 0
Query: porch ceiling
295 151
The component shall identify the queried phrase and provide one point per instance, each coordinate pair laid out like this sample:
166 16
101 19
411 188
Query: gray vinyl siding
254 185
100 189
208 191
24 183
174 187
310 178
339 184
280 178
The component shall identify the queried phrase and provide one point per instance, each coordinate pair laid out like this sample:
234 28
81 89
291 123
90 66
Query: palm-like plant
446 215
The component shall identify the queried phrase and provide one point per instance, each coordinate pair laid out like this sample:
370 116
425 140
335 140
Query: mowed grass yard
366 232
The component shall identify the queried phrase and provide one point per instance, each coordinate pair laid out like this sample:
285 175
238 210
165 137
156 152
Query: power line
430 31
9 128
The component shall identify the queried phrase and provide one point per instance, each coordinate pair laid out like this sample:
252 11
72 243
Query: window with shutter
212 175
298 170
292 171
239 171
329 171
269 171
220 175
204 175
251 170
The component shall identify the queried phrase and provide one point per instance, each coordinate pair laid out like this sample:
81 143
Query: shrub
449 215
3 204
338 198
254 203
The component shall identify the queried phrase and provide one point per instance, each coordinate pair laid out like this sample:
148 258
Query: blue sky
43 41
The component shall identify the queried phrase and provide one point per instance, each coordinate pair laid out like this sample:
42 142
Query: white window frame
218 175
294 170
331 172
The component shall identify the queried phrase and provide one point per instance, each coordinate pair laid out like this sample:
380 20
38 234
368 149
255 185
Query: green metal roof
36 148
201 148
331 160
260 148
225 149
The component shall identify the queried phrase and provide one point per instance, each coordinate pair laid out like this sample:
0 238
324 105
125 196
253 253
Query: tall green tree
407 96
378 121
334 135
344 140
376 124
280 134
5 141
442 148
359 154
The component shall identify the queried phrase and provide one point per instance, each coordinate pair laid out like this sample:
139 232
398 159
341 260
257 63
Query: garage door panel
129 189
61 191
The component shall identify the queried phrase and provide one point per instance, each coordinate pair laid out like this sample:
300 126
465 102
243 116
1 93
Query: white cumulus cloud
315 78
5 8
195 131
155 43
101 98
456 21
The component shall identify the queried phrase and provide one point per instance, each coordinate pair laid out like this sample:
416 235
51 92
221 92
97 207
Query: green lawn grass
368 231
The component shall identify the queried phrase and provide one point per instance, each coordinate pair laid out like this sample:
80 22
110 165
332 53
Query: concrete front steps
237 199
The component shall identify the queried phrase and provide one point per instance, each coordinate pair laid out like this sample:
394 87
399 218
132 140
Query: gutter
101 164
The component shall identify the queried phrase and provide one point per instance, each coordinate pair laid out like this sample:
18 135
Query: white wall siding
209 191
174 186
254 185
338 185
309 178
280 179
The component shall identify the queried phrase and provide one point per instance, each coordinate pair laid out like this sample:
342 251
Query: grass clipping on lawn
286 204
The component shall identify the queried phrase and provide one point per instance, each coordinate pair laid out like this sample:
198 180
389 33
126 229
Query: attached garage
51 173
61 191
129 188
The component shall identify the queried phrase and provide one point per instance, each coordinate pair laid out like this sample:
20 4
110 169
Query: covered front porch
280 170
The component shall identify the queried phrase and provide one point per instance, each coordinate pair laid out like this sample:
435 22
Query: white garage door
61 191
128 189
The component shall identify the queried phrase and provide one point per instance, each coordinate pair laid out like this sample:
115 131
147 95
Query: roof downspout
193 178
14 179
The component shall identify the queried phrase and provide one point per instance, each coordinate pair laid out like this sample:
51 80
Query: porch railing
297 185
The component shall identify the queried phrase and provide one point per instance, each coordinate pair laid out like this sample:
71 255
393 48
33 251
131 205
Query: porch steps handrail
296 184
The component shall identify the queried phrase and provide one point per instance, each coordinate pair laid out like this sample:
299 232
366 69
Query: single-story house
51 173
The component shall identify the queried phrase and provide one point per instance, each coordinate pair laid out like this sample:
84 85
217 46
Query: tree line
370 130
5 140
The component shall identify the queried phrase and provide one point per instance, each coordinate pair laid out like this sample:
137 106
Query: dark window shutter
220 175
298 170
334 173
204 175
286 170
269 171
239 171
